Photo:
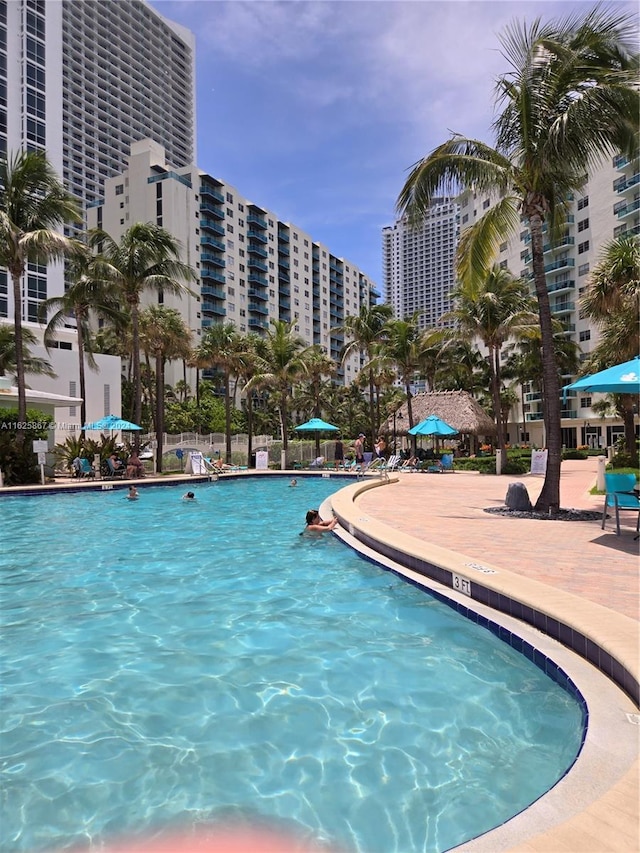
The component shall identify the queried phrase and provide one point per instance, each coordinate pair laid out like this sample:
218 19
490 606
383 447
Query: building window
583 269
583 247
583 224
230 198
583 202
585 336
119 189
585 402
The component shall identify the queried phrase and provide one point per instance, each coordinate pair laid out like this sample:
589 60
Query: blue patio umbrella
113 424
622 379
433 425
317 425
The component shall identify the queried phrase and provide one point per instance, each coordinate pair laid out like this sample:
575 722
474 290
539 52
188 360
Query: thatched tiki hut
457 408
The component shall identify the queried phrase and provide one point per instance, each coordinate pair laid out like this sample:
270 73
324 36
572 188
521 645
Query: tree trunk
81 374
372 425
549 499
20 378
412 438
249 428
627 402
137 385
227 415
494 356
159 411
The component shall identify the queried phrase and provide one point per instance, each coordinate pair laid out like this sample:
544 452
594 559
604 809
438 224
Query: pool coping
591 808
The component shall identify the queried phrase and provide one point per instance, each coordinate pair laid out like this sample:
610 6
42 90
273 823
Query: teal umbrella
111 423
433 425
317 425
621 379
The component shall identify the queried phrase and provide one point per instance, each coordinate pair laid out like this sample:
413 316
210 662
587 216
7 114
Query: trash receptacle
252 464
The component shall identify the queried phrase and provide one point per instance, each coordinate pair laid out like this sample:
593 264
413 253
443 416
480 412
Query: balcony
257 265
560 264
257 235
563 307
285 303
208 290
283 237
259 307
258 221
212 226
210 243
283 275
533 416
558 286
254 249
256 323
284 264
533 397
568 414
554 247
205 207
212 259
258 294
254 278
209 192
284 250
628 209
213 308
211 274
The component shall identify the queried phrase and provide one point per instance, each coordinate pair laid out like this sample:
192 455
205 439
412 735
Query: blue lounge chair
83 467
621 494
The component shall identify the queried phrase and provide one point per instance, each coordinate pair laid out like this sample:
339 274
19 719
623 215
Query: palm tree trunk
16 278
159 410
81 374
249 427
495 391
549 499
372 425
137 385
227 415
627 402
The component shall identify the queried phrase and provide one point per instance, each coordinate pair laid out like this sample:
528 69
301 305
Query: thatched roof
457 408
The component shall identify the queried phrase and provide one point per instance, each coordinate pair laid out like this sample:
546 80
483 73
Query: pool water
166 663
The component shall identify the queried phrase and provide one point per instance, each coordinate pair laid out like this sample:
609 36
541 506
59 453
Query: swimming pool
166 663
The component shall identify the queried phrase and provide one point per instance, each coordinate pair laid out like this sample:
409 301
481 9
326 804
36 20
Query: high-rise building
253 267
418 263
82 81
608 206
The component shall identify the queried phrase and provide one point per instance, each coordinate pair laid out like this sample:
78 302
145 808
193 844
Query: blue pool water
166 663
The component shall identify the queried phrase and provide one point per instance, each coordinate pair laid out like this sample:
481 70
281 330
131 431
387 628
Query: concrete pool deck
569 570
572 571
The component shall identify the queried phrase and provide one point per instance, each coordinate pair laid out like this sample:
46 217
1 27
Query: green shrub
575 454
516 466
20 467
622 460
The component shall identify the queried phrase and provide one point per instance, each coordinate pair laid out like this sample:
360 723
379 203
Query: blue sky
316 109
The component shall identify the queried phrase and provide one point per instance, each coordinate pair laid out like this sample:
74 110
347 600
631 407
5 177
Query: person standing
358 447
338 454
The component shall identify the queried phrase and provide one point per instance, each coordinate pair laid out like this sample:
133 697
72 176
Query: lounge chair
621 493
82 467
440 466
112 471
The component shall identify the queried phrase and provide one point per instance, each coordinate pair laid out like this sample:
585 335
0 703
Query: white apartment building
81 81
253 267
609 205
418 264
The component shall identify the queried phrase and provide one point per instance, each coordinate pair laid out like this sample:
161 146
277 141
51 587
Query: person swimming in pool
189 496
316 525
133 494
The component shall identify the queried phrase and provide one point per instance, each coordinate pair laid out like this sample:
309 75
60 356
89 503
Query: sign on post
539 461
40 446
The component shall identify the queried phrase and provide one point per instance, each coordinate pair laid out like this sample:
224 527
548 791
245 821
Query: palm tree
405 347
491 309
146 258
250 358
87 294
220 348
611 300
570 97
33 207
163 336
282 365
8 352
367 329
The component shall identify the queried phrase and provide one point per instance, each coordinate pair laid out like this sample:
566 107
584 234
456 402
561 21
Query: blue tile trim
565 634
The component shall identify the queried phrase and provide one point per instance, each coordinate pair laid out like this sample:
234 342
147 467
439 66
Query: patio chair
83 468
620 494
440 466
112 471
